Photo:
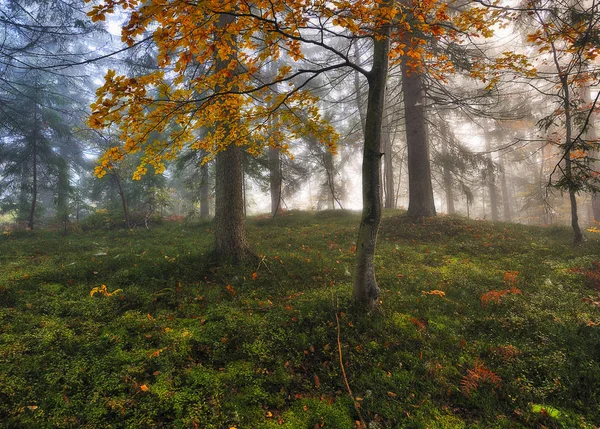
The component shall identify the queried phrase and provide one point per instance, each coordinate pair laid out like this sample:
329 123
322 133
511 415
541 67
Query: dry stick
339 345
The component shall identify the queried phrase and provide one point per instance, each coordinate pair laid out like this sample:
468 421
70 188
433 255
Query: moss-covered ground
480 325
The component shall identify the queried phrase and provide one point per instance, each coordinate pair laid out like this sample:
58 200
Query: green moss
189 344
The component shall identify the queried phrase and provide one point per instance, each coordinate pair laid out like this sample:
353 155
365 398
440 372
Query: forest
300 214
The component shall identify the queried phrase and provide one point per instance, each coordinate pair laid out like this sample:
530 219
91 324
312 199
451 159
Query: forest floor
481 325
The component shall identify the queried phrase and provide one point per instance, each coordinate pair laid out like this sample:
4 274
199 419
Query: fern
476 376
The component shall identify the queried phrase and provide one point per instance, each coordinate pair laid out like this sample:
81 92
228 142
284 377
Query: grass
460 340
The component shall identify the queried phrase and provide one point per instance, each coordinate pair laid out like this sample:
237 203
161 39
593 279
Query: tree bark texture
275 179
121 193
388 178
204 191
447 172
491 178
577 234
366 291
231 244
420 189
34 185
504 185
230 228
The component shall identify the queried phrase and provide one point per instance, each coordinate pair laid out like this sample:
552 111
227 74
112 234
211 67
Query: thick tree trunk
491 178
275 179
204 192
231 244
420 200
230 228
366 291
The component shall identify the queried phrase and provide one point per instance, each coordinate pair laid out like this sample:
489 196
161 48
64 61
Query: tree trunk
505 197
204 192
446 167
332 198
387 163
121 192
358 93
491 178
366 291
577 234
231 244
275 179
420 190
230 228
596 206
34 185
63 185
34 166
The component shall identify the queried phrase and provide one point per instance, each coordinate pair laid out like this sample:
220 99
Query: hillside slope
481 325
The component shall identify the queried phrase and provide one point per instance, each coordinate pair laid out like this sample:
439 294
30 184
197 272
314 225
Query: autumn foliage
232 81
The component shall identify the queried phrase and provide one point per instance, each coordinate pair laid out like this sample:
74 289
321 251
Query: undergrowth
480 325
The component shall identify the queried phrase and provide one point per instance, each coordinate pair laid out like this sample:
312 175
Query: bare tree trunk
34 190
596 206
332 198
358 93
491 178
275 179
387 163
577 234
505 197
34 166
421 203
366 291
231 244
121 193
446 167
397 192
204 192
230 228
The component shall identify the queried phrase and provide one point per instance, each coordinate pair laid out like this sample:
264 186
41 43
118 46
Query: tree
566 34
237 108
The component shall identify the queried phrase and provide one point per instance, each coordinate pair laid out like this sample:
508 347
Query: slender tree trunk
446 167
491 178
590 135
62 200
505 197
34 165
397 192
121 192
332 198
34 190
275 179
204 191
541 185
366 291
358 93
577 234
387 163
596 206
421 203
